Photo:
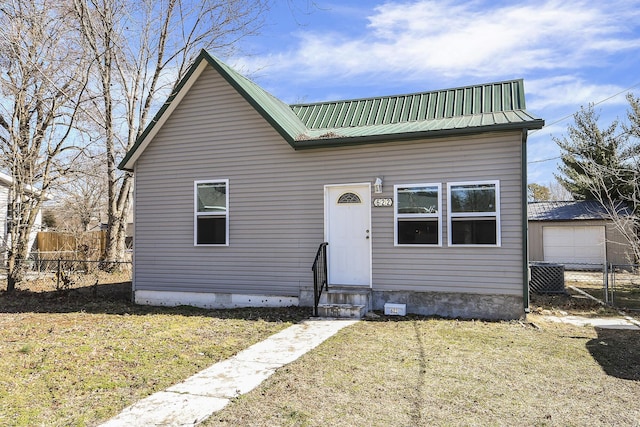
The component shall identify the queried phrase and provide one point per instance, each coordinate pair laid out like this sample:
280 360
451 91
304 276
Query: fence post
606 283
58 275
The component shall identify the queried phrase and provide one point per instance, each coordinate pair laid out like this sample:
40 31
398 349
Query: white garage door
575 244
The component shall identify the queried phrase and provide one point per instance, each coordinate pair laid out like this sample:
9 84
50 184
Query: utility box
395 309
547 278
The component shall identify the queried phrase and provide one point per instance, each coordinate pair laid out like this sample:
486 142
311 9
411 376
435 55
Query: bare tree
632 128
621 210
140 50
42 80
558 192
604 165
80 202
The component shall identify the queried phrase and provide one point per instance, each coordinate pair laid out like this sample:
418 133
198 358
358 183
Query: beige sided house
421 199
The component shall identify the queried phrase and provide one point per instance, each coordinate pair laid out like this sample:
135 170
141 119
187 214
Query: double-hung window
211 219
418 214
474 213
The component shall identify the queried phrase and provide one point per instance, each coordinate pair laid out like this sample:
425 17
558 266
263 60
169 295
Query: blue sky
570 53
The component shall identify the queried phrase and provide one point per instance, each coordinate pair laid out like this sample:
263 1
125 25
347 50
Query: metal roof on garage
571 210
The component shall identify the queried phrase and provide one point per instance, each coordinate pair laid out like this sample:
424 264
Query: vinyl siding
276 204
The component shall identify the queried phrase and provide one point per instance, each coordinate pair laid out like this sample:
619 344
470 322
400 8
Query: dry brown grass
70 358
624 295
624 287
432 372
73 358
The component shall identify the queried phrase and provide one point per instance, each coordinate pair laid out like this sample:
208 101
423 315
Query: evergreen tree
604 165
595 162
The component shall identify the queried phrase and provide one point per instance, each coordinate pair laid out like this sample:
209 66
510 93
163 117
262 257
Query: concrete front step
345 295
349 311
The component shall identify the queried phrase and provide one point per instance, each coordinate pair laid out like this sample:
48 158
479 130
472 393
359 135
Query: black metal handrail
320 280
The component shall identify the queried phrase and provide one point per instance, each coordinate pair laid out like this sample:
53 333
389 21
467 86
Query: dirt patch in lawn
573 303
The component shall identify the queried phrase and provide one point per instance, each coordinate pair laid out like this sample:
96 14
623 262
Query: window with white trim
474 213
418 214
211 222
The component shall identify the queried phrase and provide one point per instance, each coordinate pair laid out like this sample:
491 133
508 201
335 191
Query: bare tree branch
41 89
138 58
604 165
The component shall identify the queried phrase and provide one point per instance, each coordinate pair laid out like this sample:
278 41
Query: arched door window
349 198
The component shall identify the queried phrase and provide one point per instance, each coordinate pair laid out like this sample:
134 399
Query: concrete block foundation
453 305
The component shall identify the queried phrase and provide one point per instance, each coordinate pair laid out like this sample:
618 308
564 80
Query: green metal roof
466 101
275 111
437 127
464 110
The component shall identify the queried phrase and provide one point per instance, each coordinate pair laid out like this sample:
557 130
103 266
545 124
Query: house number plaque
382 202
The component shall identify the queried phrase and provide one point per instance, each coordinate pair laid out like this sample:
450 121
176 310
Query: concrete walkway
623 322
198 397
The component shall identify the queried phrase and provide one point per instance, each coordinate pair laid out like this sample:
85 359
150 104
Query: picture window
474 215
418 214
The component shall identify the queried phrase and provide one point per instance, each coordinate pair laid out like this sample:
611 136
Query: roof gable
276 112
465 110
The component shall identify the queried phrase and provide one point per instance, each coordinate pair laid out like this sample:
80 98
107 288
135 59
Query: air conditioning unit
547 278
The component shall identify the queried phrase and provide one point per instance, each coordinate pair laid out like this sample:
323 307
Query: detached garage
574 243
574 232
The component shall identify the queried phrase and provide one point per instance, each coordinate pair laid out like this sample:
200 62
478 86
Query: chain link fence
59 271
623 288
615 284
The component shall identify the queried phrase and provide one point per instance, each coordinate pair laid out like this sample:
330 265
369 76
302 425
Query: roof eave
370 139
252 101
8 181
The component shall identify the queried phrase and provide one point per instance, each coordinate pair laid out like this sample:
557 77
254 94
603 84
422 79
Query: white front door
348 231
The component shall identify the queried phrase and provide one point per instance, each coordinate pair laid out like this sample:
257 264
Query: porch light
377 186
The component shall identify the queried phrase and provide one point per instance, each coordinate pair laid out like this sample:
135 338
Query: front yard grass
69 359
435 372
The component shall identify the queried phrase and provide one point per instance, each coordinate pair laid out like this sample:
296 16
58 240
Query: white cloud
477 39
573 91
558 46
